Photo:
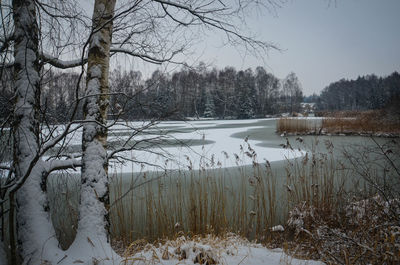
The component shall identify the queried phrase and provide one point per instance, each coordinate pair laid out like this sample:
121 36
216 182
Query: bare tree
155 31
292 92
27 170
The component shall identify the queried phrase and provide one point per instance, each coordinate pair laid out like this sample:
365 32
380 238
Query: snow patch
277 228
212 250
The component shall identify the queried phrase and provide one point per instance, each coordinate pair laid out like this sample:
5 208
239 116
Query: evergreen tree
209 109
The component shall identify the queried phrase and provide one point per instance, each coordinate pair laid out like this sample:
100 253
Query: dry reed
248 201
365 123
298 125
196 202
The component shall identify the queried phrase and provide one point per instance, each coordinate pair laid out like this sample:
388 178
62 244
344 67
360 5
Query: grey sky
322 43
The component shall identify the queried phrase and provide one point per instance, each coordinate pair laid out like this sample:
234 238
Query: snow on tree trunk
93 210
39 244
31 200
26 68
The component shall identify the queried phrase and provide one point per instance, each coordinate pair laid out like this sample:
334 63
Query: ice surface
222 144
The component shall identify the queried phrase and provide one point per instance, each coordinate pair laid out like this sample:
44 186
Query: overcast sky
322 43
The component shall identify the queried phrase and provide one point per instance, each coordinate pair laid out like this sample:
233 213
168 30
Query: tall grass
196 202
247 200
63 195
298 125
368 122
311 192
357 227
365 123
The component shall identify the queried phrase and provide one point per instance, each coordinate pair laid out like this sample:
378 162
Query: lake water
206 176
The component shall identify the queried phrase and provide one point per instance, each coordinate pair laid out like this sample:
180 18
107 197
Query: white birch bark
35 230
93 209
92 245
26 68
26 128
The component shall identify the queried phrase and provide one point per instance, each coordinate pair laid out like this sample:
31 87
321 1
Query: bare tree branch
56 62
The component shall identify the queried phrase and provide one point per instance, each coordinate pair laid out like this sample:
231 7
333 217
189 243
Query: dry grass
360 232
181 248
315 204
353 228
208 202
197 202
209 249
366 123
298 125
63 201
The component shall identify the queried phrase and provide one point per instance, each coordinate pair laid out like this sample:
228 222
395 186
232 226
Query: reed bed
315 199
365 123
357 226
248 201
195 202
63 195
369 122
298 125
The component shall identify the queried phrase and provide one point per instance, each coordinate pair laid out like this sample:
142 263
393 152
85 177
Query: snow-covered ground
227 250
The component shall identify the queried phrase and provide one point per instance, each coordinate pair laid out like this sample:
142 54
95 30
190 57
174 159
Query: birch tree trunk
26 110
35 229
93 212
27 92
36 232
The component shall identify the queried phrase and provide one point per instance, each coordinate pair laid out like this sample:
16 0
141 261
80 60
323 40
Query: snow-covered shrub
301 217
373 210
365 231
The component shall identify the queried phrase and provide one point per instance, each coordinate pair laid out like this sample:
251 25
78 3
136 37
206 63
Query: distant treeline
201 92
365 93
191 92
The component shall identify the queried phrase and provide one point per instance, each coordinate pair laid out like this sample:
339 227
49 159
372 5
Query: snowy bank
230 249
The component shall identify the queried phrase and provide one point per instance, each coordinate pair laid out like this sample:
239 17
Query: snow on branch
144 57
62 164
65 64
56 62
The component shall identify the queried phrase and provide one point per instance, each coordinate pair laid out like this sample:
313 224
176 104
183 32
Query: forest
364 93
208 93
81 138
190 92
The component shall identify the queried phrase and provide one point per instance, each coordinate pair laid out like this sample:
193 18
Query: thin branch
218 24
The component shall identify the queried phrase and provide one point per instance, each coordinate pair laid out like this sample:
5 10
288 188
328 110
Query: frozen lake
196 144
209 166
216 143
